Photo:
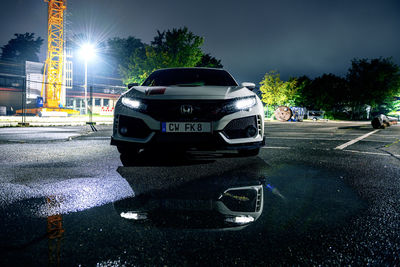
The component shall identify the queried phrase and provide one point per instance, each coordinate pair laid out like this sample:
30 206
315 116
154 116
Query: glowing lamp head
88 51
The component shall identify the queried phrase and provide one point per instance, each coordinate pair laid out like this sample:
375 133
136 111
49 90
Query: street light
87 52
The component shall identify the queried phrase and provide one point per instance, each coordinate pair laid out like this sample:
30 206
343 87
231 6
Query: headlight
239 104
133 103
245 103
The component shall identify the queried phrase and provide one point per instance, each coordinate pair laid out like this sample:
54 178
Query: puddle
208 213
308 199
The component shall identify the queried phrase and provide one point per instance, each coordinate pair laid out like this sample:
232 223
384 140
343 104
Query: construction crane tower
53 70
53 67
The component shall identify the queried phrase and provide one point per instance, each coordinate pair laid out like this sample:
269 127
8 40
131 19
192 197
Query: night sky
308 37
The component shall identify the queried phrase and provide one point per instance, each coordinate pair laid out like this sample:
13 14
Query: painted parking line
322 139
303 138
98 137
341 147
276 147
293 134
371 153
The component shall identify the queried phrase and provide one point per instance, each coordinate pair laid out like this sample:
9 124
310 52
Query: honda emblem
186 109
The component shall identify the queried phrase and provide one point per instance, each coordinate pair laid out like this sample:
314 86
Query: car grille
194 139
202 110
237 128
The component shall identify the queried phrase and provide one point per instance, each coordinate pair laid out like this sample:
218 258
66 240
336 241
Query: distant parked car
189 108
315 115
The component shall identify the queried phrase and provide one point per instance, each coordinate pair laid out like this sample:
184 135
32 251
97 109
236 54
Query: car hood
192 92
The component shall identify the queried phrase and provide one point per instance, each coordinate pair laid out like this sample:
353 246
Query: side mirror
250 86
132 85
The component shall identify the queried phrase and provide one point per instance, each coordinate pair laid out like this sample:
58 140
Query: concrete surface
12 121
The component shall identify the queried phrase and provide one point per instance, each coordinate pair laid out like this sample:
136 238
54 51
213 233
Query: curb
318 121
51 123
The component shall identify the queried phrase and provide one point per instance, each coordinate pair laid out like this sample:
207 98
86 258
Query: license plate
186 127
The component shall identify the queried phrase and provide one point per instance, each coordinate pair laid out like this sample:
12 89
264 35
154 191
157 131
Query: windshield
190 77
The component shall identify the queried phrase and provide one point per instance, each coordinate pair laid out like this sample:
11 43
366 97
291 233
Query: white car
189 108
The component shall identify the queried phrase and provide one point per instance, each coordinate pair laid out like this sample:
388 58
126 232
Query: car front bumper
209 142
227 133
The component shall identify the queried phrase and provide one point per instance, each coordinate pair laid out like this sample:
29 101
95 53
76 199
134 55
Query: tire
249 152
128 150
129 156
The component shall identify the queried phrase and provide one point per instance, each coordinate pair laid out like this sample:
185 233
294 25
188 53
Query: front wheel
128 150
129 156
249 152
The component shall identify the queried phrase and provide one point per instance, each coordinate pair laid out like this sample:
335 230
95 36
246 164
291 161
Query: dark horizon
309 38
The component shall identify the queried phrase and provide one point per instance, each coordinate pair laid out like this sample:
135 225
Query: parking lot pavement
347 137
51 134
34 121
326 201
32 134
366 160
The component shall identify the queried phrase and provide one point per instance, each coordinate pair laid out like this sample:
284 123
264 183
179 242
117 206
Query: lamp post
87 52
85 86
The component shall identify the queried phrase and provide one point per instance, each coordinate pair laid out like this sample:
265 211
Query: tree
24 47
389 105
303 94
372 82
171 48
327 92
178 48
276 92
121 49
208 61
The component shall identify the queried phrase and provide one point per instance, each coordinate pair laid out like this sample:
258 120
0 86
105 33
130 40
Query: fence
22 84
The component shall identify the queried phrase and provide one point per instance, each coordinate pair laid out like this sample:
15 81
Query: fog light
132 215
251 131
241 219
123 130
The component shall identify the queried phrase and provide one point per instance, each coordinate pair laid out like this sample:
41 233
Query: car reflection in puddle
197 205
208 191
230 193
225 211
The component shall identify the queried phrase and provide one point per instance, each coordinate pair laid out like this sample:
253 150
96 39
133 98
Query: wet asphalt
67 199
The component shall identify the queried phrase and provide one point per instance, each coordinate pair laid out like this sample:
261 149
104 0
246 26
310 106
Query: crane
55 233
53 67
55 54
53 70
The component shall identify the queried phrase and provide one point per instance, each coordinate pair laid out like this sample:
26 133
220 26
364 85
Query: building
12 84
104 91
17 78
